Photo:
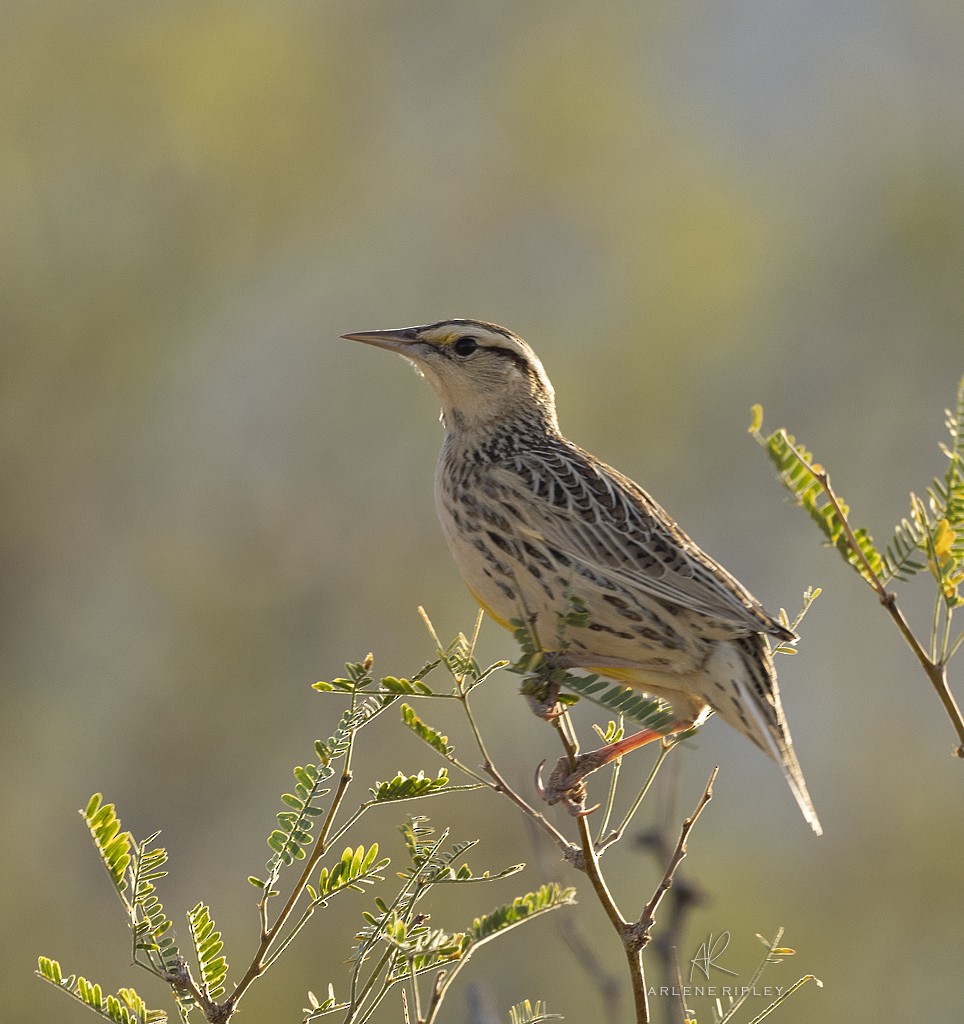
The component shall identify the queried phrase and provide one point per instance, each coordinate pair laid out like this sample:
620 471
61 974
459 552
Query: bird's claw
566 787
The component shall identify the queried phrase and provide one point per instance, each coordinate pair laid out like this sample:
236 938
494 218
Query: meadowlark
535 522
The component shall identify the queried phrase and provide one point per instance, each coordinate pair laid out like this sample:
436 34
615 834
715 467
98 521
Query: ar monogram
707 954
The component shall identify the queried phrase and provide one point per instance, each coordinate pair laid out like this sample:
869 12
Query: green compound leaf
420 948
411 687
356 867
294 834
152 928
404 787
796 467
902 554
358 677
355 718
425 732
126 1007
207 948
954 478
648 712
317 1008
113 845
798 473
526 1013
523 908
435 865
931 538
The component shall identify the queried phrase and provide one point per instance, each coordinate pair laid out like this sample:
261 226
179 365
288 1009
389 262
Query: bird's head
483 374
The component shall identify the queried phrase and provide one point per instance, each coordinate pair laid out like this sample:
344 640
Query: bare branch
640 933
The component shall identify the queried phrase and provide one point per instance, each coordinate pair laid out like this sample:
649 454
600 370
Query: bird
535 523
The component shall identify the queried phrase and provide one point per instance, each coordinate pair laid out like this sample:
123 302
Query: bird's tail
743 690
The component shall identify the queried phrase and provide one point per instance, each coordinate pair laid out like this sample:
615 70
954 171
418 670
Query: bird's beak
398 340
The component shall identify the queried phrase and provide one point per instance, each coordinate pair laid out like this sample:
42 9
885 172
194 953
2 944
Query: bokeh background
209 501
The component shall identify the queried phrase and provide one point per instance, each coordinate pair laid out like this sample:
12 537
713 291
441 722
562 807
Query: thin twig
786 995
681 899
641 930
610 801
571 933
590 865
498 783
182 979
269 934
616 835
936 671
438 994
501 786
416 995
745 990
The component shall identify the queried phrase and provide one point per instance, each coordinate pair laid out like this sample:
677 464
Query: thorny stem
605 976
590 859
935 669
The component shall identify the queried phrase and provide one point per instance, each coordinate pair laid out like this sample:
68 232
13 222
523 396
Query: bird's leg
566 782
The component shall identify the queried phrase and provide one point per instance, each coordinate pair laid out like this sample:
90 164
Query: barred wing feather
596 516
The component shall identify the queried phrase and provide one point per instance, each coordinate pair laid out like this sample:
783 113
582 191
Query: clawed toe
566 786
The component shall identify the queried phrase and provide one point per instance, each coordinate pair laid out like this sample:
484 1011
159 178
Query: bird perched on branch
534 523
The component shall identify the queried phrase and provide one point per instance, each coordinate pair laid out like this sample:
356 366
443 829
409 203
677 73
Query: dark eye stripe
466 345
510 353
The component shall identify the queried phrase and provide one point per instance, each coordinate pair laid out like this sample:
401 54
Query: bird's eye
465 346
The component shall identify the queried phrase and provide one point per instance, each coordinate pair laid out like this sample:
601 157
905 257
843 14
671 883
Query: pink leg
566 783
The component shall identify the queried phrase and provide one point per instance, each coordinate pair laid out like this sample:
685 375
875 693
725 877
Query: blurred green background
210 501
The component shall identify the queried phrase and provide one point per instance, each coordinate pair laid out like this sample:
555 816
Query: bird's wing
599 518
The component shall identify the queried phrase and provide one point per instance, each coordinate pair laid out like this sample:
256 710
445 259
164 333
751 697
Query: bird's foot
566 783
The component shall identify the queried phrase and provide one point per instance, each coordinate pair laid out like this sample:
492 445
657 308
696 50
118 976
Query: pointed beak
398 340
